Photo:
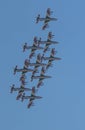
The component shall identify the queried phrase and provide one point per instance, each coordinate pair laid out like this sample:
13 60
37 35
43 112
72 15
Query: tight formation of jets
36 64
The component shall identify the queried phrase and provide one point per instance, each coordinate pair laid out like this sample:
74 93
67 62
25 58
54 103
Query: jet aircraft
41 77
46 19
38 63
31 97
21 88
23 70
50 36
51 58
47 44
31 47
35 47
40 81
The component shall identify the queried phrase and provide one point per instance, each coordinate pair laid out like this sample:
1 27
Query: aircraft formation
37 63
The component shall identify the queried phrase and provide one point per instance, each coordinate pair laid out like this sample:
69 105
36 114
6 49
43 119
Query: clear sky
63 103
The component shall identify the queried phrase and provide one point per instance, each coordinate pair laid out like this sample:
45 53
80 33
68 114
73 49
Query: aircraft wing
40 80
46 47
33 50
19 95
40 83
35 69
30 104
49 64
38 97
50 61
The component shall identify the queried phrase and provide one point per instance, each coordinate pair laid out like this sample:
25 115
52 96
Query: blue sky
63 103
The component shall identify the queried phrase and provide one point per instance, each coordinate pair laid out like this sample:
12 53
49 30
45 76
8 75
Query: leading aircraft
31 98
47 19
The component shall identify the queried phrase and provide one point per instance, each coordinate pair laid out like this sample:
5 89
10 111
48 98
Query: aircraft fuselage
32 97
52 58
24 70
41 77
